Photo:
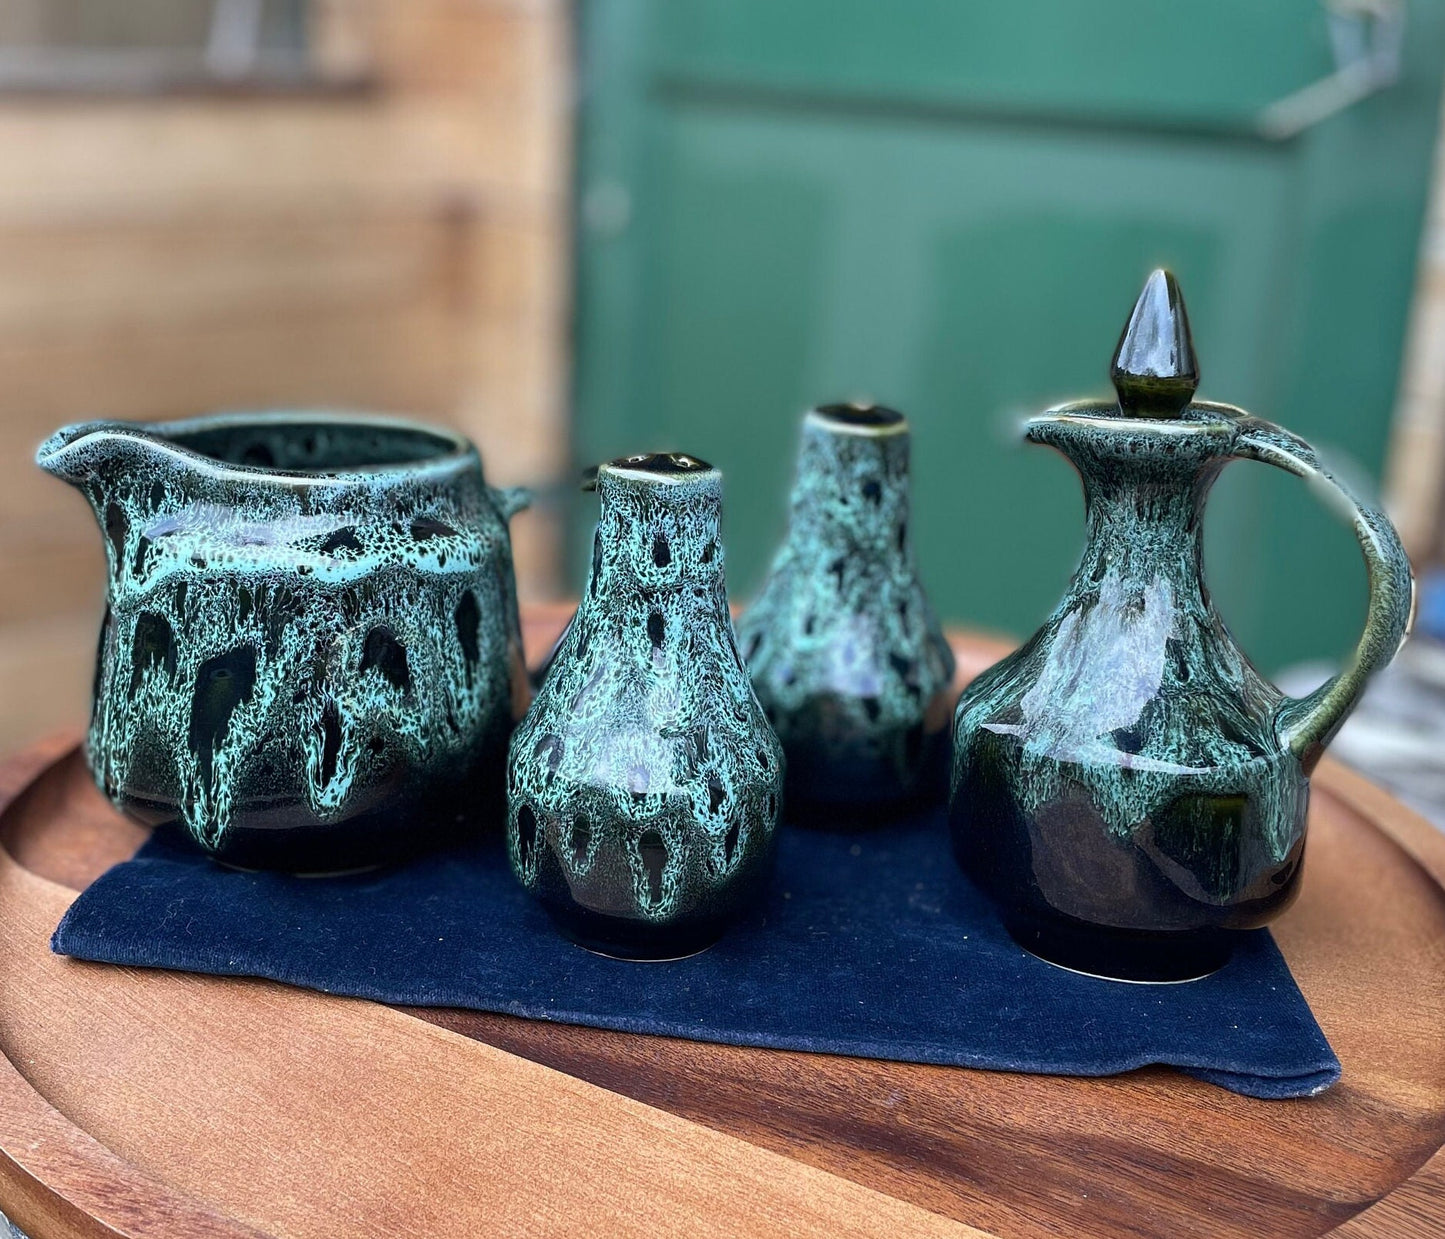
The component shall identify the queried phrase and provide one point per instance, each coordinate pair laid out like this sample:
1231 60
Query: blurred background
576 230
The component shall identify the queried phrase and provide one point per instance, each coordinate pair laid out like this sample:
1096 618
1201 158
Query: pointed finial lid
1154 370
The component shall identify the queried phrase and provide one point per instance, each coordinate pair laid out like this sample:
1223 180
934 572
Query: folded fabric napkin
870 945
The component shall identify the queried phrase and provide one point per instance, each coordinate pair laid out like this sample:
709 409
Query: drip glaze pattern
1127 785
844 649
311 651
645 785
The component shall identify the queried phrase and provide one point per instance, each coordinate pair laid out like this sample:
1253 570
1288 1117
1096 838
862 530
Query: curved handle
1305 725
511 499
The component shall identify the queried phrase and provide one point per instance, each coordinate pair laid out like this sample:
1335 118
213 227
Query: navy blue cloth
870 945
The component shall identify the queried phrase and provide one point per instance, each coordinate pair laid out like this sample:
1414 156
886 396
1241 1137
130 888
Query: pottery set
311 660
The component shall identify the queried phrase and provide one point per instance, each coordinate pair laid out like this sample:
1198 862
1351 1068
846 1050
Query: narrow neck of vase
658 533
1145 486
1145 523
851 490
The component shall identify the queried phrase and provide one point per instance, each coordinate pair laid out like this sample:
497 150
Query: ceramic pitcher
645 784
311 656
1129 788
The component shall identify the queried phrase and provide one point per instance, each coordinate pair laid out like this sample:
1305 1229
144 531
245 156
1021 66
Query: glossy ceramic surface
1127 785
844 650
311 654
645 784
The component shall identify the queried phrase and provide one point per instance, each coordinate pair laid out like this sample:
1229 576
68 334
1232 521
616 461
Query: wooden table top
159 1104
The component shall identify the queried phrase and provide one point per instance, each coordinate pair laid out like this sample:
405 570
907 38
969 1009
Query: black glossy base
1121 954
853 816
863 795
292 843
618 938
351 848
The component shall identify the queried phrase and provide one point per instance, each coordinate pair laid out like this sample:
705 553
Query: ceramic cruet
310 657
1126 785
645 784
844 650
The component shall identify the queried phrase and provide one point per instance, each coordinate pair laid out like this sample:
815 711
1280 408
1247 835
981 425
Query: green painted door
949 208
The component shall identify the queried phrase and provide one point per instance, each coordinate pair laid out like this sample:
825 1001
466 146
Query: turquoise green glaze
1126 784
311 646
844 650
644 785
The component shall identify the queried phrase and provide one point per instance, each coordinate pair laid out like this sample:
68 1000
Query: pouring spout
80 452
69 454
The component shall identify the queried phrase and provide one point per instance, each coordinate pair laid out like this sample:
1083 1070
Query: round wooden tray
160 1104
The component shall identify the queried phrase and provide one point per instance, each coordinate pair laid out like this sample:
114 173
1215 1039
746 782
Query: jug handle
510 500
1305 725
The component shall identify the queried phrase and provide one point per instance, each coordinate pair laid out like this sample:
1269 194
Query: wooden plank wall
398 247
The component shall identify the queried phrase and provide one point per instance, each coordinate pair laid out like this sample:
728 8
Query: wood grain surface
212 1101
1151 1153
204 1101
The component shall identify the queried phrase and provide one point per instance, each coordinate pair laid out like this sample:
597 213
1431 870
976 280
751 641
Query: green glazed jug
1127 786
311 658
